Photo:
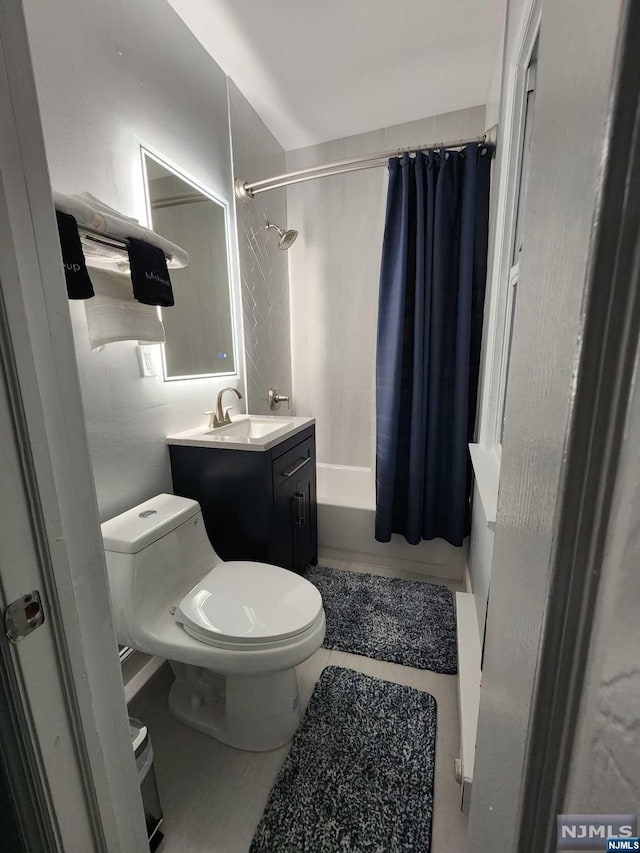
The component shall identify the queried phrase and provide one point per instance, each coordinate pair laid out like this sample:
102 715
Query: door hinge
23 616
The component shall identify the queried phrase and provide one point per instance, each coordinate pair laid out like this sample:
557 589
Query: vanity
255 480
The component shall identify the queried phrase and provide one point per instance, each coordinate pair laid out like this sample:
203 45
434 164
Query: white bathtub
346 528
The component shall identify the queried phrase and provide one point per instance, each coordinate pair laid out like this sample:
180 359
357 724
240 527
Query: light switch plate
147 360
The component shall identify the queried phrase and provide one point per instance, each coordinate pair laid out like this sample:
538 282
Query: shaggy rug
392 619
359 776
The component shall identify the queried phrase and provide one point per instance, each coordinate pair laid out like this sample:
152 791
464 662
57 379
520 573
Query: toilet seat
246 605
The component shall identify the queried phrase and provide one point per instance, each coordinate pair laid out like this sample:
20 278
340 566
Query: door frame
604 388
552 525
62 683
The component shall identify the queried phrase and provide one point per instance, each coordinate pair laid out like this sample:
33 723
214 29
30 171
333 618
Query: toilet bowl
233 631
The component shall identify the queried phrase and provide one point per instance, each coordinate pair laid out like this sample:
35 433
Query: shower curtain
432 284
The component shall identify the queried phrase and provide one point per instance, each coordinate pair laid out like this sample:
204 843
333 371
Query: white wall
264 268
492 116
334 271
575 63
110 75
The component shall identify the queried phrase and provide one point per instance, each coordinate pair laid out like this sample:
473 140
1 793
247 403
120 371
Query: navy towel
149 274
75 269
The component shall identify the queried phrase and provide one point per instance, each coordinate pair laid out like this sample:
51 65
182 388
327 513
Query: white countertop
202 436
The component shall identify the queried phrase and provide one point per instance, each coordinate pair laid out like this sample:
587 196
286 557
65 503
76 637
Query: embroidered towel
75 269
114 315
149 274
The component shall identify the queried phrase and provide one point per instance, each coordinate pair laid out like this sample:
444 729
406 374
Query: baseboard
467 579
469 678
137 671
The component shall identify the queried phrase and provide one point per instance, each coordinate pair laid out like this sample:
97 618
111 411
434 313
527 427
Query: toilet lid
243 602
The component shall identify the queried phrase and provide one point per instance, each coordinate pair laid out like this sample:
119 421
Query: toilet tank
155 553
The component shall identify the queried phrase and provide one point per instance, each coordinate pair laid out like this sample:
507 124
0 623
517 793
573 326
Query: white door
64 742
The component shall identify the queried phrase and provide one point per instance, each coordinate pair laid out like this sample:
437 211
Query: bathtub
346 528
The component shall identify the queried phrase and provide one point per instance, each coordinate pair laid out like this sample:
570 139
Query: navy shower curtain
432 283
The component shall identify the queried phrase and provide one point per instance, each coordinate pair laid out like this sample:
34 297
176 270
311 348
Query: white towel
94 202
93 213
114 315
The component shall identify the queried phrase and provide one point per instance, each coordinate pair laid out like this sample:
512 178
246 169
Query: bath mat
359 776
392 619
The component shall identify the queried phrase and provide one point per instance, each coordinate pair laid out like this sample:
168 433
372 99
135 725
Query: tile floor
213 795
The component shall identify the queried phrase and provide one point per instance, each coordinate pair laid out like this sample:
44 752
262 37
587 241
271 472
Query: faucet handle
275 399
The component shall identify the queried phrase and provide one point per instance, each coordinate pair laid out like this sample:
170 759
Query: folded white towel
89 211
94 202
114 315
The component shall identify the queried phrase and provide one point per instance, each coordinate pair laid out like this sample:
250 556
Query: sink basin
246 432
250 427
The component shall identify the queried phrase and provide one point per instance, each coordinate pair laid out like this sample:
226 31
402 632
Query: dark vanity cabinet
257 504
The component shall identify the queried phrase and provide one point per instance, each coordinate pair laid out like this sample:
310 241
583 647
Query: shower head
287 238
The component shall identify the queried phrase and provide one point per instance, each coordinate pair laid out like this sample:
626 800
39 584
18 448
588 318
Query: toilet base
251 712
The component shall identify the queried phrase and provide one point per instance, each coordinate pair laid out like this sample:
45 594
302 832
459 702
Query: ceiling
323 69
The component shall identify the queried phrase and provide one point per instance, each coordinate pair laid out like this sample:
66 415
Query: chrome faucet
220 417
276 398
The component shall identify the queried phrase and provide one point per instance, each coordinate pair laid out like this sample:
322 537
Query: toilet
233 631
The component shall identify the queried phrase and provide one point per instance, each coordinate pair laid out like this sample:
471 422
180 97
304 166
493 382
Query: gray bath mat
407 622
359 776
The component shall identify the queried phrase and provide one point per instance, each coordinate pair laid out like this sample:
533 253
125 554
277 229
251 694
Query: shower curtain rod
246 191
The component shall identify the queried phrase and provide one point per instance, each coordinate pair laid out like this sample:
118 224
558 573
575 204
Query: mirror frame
166 163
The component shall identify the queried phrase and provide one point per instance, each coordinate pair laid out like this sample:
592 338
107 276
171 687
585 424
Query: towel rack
107 248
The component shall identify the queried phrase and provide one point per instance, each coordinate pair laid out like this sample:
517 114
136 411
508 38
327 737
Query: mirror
199 327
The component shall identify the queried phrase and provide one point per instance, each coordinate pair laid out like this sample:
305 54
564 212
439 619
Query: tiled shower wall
263 267
335 267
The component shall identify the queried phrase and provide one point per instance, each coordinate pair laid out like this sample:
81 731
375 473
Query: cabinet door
294 489
285 531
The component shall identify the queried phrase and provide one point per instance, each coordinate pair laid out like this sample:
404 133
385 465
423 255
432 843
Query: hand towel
114 315
75 269
92 213
149 274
